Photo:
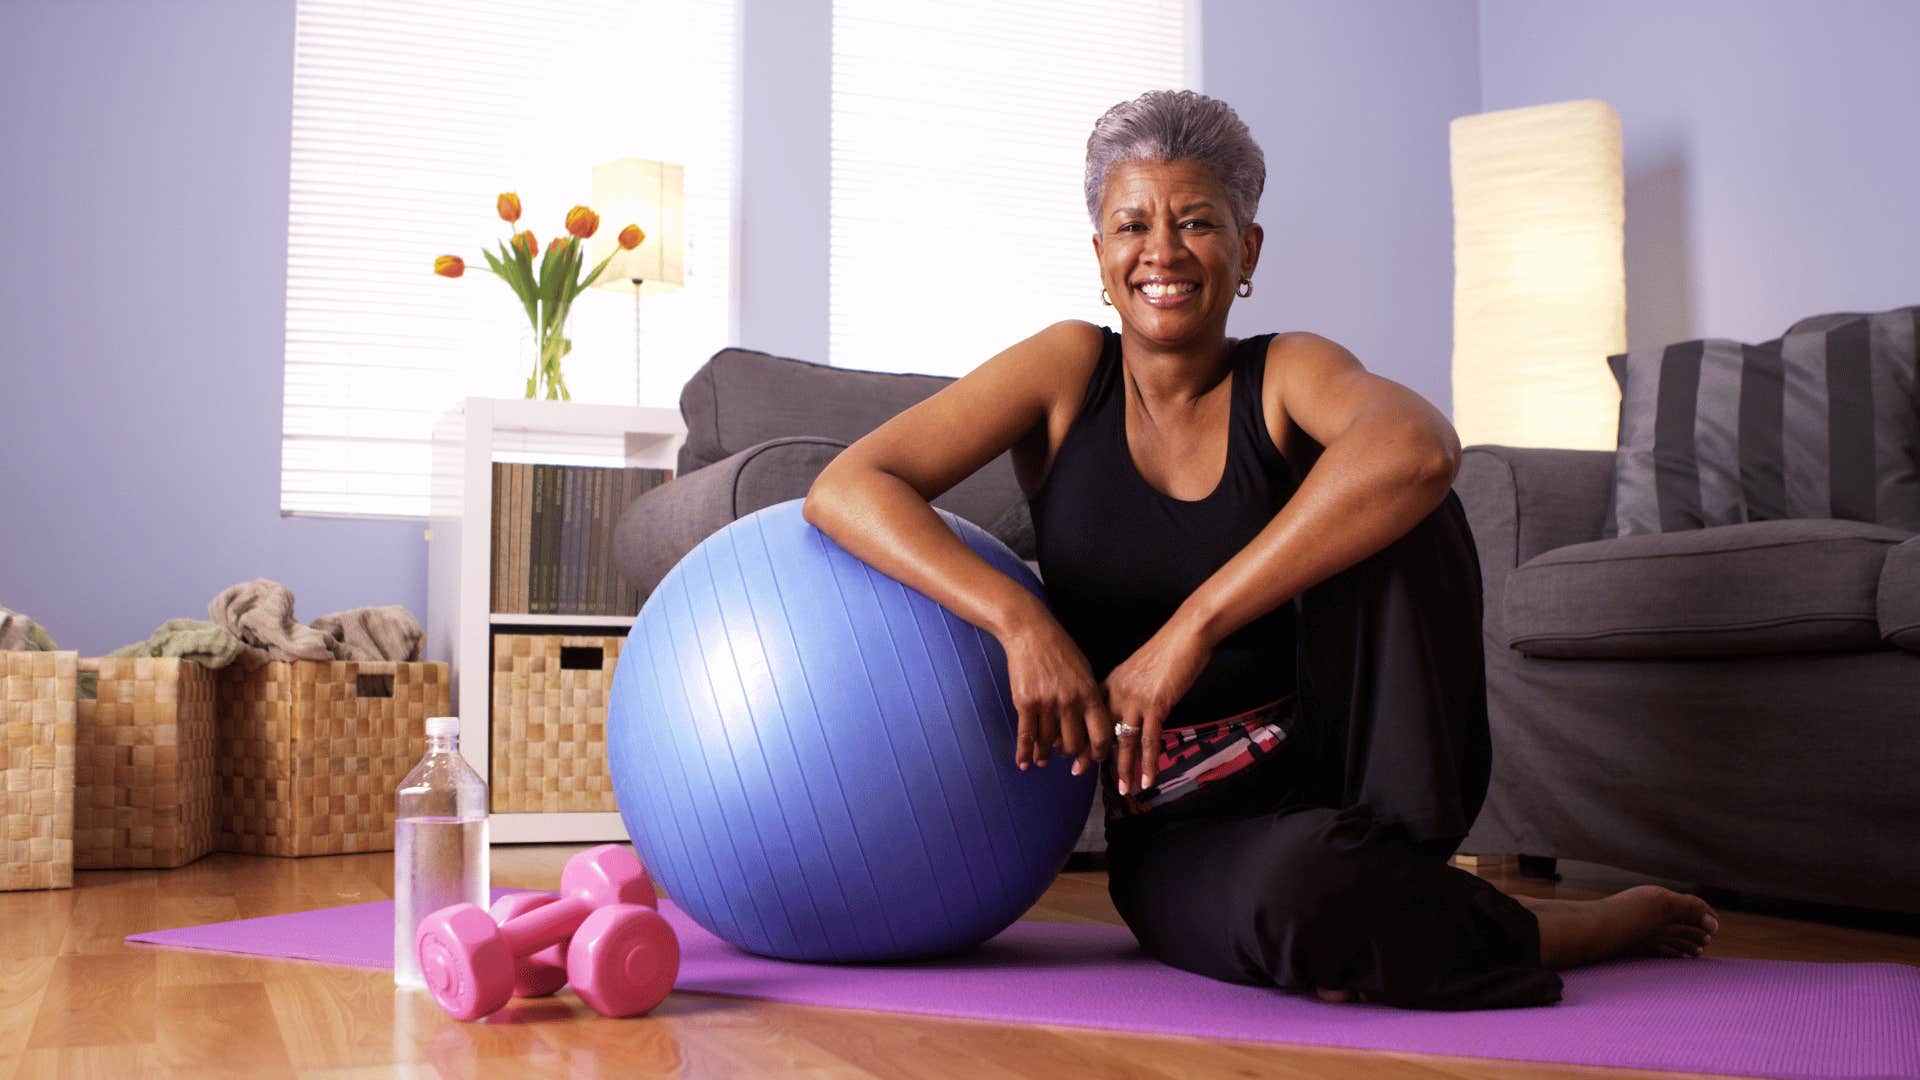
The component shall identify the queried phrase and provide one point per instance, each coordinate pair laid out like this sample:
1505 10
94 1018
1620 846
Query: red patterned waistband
1195 756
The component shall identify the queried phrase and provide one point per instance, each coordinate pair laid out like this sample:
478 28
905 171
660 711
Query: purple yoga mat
1752 1017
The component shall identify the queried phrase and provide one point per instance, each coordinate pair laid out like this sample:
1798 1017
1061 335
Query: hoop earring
1245 289
1105 299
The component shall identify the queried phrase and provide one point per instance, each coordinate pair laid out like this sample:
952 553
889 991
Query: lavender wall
1769 175
1770 155
1350 102
143 297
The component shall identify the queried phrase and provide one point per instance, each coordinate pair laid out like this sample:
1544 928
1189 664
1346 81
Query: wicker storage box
36 776
143 783
550 722
308 753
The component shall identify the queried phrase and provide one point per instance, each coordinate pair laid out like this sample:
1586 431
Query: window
409 117
959 142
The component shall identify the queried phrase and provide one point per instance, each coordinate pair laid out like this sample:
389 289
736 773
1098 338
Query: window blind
959 141
409 117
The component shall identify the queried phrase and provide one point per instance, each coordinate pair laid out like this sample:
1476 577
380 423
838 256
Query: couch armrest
664 524
1523 501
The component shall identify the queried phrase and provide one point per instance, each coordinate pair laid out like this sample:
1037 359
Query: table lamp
1539 278
652 195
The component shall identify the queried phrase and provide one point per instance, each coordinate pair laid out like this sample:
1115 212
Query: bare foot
1339 997
1646 920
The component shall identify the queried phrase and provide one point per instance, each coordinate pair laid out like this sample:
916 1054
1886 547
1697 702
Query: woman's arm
873 501
1389 460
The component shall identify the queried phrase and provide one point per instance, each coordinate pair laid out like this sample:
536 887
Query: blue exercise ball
816 762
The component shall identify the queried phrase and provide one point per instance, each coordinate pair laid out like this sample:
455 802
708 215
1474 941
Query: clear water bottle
440 853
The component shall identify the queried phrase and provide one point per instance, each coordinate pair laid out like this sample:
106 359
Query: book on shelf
536 542
497 583
596 494
551 544
550 552
520 537
565 598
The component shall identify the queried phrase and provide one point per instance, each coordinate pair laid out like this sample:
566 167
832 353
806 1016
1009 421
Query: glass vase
550 349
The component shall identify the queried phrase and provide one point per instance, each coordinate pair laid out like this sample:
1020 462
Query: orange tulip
449 266
509 207
526 243
555 242
581 222
631 236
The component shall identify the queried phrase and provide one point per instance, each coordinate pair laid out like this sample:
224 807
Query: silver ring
1122 729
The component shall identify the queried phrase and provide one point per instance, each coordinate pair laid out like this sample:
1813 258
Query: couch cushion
659 528
741 398
1760 587
1899 596
1821 423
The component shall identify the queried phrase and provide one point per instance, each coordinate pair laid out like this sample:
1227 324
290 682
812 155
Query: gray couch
1736 706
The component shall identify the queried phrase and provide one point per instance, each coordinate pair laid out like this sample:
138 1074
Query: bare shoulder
1010 402
1318 386
1050 357
1043 375
1056 365
1078 353
1301 356
1300 365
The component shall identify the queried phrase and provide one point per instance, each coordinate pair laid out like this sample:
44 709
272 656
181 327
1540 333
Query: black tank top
1118 557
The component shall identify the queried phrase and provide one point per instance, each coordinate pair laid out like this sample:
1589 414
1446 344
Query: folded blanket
260 613
19 633
372 633
195 639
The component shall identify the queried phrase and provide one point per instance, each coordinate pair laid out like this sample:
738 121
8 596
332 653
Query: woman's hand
1144 689
1056 695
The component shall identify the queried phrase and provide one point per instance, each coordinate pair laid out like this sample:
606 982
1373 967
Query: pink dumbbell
622 957
543 972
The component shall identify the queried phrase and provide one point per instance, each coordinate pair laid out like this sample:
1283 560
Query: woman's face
1170 253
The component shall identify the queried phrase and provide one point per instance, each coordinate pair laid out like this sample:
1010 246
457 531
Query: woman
1263 607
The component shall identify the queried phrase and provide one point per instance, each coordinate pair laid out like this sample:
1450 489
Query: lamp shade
1539 275
652 195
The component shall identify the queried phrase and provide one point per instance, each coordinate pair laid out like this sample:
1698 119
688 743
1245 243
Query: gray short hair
1178 125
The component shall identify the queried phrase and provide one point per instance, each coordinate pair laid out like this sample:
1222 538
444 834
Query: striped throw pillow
1822 423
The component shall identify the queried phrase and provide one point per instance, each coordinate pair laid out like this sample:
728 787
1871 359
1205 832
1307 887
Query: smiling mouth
1159 290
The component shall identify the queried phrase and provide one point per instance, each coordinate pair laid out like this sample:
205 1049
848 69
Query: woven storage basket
143 777
550 722
308 753
36 777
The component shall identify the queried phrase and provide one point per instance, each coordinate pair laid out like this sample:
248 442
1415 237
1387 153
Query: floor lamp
652 195
1539 279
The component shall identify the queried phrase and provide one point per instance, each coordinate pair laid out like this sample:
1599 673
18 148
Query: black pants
1326 864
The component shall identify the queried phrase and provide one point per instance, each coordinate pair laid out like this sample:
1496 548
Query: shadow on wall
1659 261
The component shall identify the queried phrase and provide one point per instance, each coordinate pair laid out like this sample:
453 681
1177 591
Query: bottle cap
439 726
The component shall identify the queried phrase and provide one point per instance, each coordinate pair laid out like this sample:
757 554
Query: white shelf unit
460 622
499 618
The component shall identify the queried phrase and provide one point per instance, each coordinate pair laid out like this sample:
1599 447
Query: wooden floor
75 1000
